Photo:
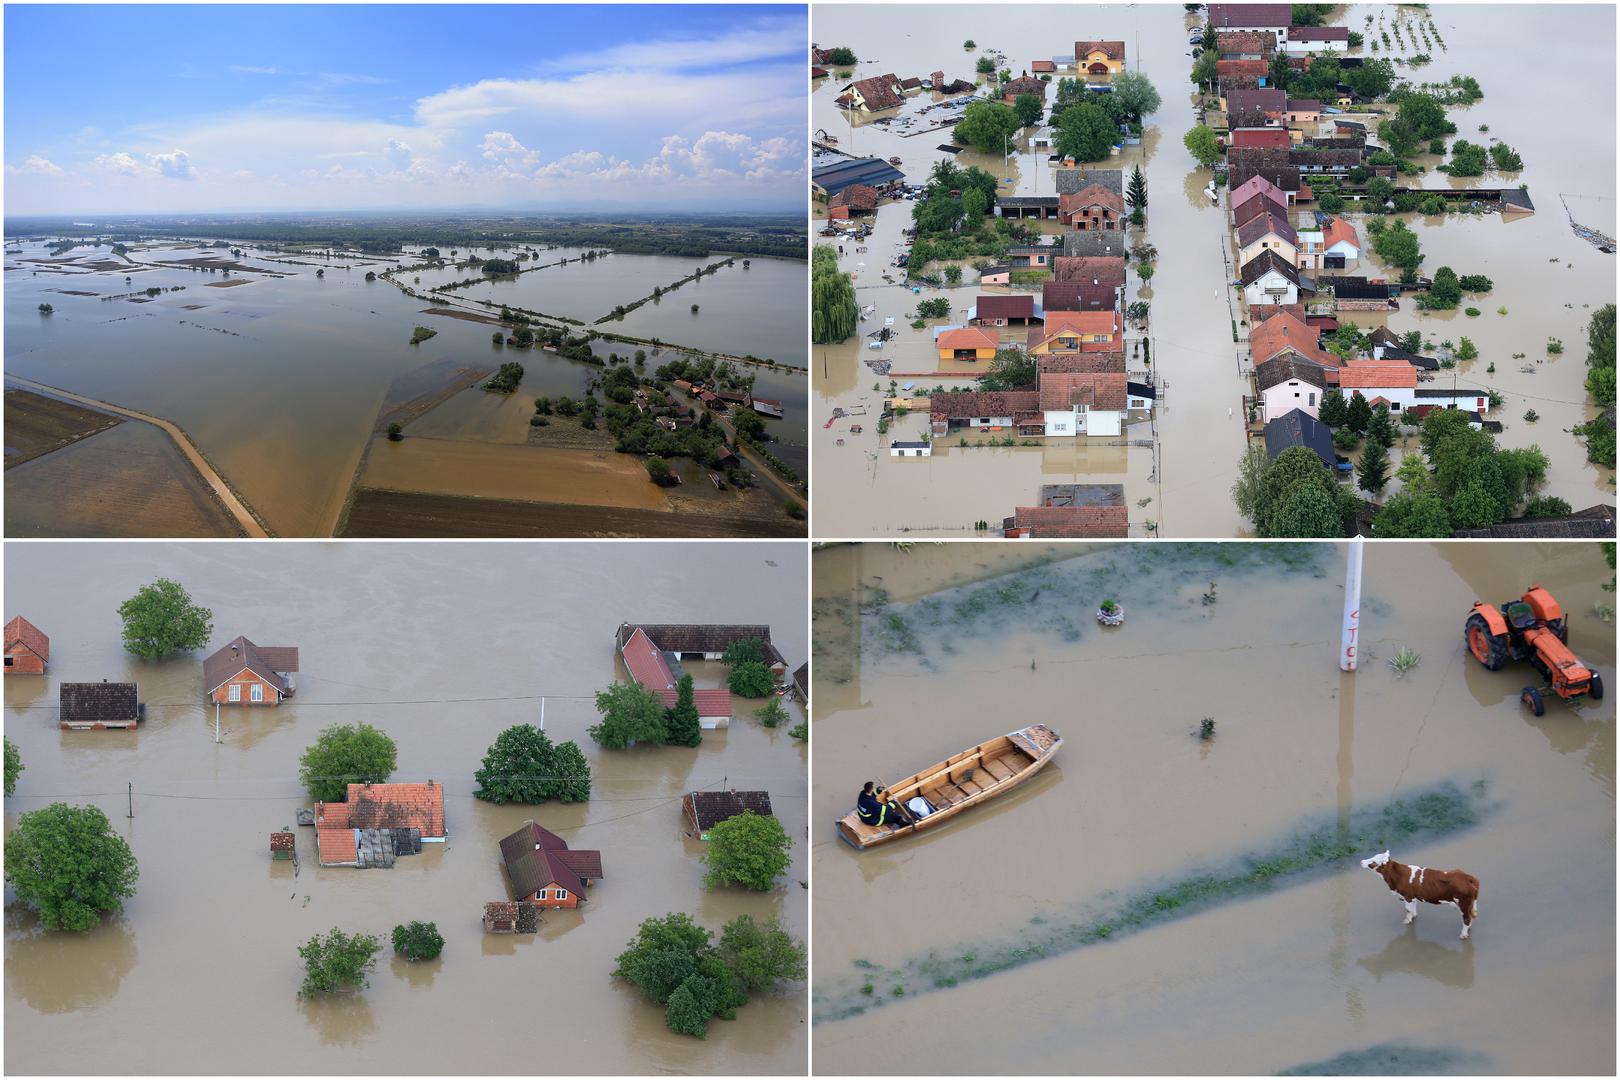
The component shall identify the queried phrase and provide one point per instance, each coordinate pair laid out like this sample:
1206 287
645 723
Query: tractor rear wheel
1532 698
1488 648
1596 692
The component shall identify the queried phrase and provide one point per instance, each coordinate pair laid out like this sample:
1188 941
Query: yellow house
1099 57
966 343
1076 331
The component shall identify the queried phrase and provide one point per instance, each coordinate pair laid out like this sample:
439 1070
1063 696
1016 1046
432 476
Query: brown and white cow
1413 883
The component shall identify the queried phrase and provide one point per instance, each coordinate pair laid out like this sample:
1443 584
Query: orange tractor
1532 628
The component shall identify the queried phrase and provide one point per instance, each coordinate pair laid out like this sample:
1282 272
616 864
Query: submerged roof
536 857
268 662
21 632
93 702
708 808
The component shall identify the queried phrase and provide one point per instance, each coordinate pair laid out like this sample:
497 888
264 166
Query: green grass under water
1316 849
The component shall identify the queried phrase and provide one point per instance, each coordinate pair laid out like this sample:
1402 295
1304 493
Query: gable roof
1098 390
1262 99
710 704
801 680
961 404
97 702
1267 260
1287 368
1074 322
1024 84
1256 205
836 177
1060 522
1257 185
1284 331
1096 269
1005 306
1263 225
1245 162
1092 195
1304 105
536 857
396 806
1083 242
20 633
1274 137
706 809
878 92
1299 428
268 662
1244 42
646 662
1595 522
856 197
1222 16
1114 50
966 337
1078 296
1339 231
1319 33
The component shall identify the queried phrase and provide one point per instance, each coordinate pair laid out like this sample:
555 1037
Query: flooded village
524 809
378 405
1179 890
1090 264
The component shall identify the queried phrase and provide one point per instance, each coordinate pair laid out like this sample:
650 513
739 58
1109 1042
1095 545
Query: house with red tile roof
1003 309
966 343
1077 331
28 650
1083 403
242 673
1067 522
1099 57
1286 333
1024 84
1078 296
1275 138
985 410
706 809
652 654
374 821
543 870
1092 207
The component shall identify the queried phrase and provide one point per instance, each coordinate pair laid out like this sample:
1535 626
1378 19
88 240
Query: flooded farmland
443 647
1178 470
1158 902
279 378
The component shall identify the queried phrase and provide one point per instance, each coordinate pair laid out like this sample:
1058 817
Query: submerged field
443 651
280 377
1155 901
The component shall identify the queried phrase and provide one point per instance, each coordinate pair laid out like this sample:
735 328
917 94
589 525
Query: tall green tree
345 754
749 849
1372 472
762 957
1134 95
834 312
160 620
1136 192
751 679
523 766
1012 369
338 961
67 863
14 767
1203 144
988 126
683 726
1085 132
1029 109
630 714
1413 514
1204 68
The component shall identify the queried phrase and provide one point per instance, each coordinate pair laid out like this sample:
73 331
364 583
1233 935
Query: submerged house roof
268 662
1068 522
873 171
20 633
536 857
387 806
1299 428
706 637
97 703
706 809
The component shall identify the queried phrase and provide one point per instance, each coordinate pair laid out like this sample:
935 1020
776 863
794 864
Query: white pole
1352 608
542 714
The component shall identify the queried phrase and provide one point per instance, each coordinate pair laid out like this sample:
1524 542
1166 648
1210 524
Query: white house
1084 403
1395 383
1286 383
1317 40
1268 278
911 449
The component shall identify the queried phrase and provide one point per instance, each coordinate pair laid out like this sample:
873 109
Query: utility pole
542 713
1352 608
131 793
216 722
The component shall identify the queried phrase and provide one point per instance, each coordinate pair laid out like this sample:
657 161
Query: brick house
243 673
345 832
1066 522
543 871
28 650
1092 207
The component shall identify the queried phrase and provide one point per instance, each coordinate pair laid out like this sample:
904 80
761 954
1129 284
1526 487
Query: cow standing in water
1413 883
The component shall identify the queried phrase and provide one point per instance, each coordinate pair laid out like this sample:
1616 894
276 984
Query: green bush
345 754
338 961
749 849
524 766
751 679
67 863
418 941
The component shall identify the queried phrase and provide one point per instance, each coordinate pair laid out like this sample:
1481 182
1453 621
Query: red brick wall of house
552 901
245 680
23 662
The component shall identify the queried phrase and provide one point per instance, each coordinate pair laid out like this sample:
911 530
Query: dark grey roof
1446 392
709 808
97 702
801 680
1026 202
871 171
1070 181
1286 367
1593 523
701 637
536 857
1141 389
1255 268
1079 243
1299 428
1357 288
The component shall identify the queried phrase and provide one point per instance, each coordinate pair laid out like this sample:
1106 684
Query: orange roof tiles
1360 374
1099 390
1284 331
19 631
1338 230
967 337
1072 521
337 846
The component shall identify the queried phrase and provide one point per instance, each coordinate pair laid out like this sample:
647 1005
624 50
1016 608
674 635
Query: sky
217 108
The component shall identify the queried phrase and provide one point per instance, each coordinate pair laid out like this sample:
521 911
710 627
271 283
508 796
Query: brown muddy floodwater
1186 481
919 654
200 973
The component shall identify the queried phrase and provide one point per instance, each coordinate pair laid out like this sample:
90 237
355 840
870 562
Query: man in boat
876 808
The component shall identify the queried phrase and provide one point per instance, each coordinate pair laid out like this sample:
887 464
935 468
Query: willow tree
833 309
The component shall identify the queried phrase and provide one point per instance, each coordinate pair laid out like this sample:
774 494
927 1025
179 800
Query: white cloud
248 69
37 164
176 165
765 41
503 148
120 163
398 154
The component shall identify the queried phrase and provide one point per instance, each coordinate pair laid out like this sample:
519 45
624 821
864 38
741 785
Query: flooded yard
1178 472
1157 902
279 380
443 647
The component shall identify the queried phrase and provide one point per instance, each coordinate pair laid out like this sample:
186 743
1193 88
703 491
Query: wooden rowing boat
976 775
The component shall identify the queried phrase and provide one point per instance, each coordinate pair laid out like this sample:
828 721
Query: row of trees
1598 433
1462 480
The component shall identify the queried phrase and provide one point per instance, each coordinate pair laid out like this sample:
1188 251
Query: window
1312 401
234 692
10 661
256 692
562 894
544 894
